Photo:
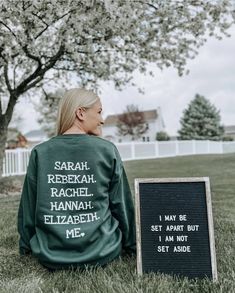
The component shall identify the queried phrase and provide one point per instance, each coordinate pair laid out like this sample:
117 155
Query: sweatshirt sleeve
26 213
122 207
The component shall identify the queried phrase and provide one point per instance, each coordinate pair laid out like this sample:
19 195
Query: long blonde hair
73 99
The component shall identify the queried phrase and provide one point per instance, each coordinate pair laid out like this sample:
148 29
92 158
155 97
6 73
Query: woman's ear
80 113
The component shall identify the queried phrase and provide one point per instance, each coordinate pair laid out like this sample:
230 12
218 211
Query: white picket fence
15 161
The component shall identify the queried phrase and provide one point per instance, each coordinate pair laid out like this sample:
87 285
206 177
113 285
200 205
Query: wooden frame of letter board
209 214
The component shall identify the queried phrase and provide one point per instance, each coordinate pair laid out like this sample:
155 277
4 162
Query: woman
76 207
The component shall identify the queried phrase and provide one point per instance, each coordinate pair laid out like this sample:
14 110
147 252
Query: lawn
24 274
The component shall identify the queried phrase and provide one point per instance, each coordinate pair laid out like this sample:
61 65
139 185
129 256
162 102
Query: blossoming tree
46 40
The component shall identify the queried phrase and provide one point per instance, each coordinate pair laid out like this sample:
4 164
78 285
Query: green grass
24 274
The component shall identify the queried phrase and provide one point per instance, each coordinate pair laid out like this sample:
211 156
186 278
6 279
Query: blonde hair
73 99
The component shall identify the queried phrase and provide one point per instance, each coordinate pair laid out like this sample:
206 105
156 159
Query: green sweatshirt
76 206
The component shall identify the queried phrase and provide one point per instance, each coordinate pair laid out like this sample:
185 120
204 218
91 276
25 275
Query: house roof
148 115
12 133
229 129
35 133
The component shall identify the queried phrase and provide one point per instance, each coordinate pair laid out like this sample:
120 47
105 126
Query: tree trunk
3 140
4 122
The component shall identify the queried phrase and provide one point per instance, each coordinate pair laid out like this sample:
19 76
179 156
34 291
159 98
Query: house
35 137
229 131
15 139
152 117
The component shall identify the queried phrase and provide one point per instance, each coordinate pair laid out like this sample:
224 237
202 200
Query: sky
212 74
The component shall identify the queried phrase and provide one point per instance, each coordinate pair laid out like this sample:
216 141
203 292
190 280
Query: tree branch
0 106
55 58
5 68
148 4
24 6
31 56
41 32
39 72
6 26
14 76
53 22
34 83
65 69
10 108
39 17
28 83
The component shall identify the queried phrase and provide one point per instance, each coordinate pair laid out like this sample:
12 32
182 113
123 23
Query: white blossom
45 41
